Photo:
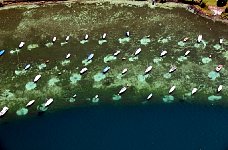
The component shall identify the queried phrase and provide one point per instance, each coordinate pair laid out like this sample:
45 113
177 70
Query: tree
221 3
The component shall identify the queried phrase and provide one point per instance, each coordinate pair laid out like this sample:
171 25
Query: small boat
2 52
194 90
186 53
163 53
127 34
172 89
221 41
54 39
74 96
185 39
90 57
122 90
47 61
86 37
148 69
67 38
116 53
149 96
218 68
199 39
83 70
3 111
59 73
106 69
37 78
48 102
123 58
21 45
124 71
219 88
96 96
68 56
172 69
30 103
137 51
27 67
104 36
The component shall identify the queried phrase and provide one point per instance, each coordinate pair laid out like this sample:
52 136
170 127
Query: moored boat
172 69
186 53
194 90
116 53
68 56
83 70
104 36
137 51
127 34
3 111
37 78
74 96
86 37
90 57
163 53
67 38
185 39
48 102
149 96
2 52
148 69
27 66
218 68
220 41
124 71
200 37
54 39
122 90
172 89
219 88
30 103
21 45
106 69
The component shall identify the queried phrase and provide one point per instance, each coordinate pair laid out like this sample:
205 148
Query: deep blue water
155 127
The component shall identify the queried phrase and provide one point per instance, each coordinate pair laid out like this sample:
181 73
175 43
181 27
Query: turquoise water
159 127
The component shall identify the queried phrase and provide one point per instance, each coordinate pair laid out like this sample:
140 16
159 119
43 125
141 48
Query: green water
166 27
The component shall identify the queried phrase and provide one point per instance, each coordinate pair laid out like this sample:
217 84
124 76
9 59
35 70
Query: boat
104 36
127 34
122 90
54 39
3 111
67 38
194 90
124 58
48 102
27 67
74 96
116 53
2 52
219 88
21 45
90 57
137 51
186 53
106 69
86 37
68 56
172 69
185 39
163 53
124 71
37 78
148 69
96 96
47 61
83 70
199 39
172 89
218 68
30 103
149 96
220 41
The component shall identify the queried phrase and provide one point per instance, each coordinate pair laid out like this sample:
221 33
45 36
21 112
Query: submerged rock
22 112
168 98
214 98
74 78
99 76
213 75
30 86
116 97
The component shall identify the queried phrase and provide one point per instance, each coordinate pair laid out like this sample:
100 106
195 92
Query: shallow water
166 28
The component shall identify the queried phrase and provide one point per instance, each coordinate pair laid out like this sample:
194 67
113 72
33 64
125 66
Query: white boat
54 39
172 69
163 53
27 67
90 57
74 96
83 70
127 33
106 69
67 38
149 96
185 39
48 102
30 103
186 53
104 36
194 90
200 37
116 53
220 41
3 111
219 88
218 68
124 71
172 89
148 69
137 51
21 45
68 56
37 78
86 37
96 96
122 90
